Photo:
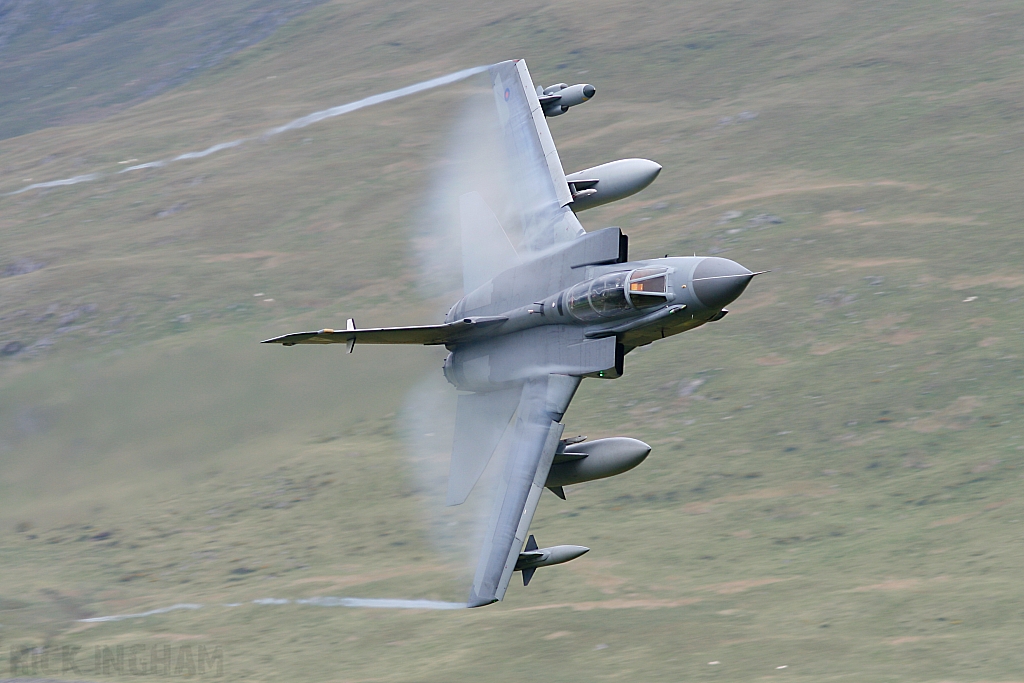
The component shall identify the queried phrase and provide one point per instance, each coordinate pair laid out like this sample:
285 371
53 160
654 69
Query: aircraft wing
537 432
539 186
417 334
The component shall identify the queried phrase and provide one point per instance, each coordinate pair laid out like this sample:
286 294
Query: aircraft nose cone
718 281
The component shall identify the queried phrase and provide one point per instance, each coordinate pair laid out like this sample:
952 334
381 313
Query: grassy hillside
834 486
72 62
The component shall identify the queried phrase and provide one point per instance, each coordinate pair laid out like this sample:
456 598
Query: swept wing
534 442
542 196
448 333
539 186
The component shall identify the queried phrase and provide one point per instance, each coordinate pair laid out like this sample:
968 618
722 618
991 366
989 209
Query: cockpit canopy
617 294
648 282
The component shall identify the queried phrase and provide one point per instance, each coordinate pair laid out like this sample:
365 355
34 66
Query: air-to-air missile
532 557
556 99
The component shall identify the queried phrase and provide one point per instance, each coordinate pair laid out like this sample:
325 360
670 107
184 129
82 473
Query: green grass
838 495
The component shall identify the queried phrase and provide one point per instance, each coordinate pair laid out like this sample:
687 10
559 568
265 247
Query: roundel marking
508 93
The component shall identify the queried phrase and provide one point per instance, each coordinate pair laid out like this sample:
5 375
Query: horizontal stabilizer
418 334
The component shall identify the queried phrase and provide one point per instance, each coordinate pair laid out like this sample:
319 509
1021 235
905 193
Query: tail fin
486 249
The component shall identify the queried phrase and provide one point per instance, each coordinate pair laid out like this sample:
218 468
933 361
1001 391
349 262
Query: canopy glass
618 294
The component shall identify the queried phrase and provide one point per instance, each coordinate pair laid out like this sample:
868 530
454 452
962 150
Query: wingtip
477 601
278 340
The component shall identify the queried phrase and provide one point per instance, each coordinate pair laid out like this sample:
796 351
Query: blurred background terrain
835 481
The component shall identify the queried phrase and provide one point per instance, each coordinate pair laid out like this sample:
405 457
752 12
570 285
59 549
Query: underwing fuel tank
610 182
598 459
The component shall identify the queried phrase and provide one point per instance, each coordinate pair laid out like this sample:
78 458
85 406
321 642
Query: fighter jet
538 316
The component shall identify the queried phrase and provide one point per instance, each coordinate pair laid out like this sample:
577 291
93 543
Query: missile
589 460
533 557
556 99
610 182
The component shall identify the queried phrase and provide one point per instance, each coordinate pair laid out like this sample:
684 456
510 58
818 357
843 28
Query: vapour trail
56 183
381 603
301 122
371 603
162 610
376 99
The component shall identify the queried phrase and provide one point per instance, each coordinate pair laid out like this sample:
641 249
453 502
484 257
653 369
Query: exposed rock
837 298
22 266
11 348
686 388
764 220
171 210
728 216
739 118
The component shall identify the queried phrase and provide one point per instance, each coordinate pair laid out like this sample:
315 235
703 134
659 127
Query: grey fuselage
694 291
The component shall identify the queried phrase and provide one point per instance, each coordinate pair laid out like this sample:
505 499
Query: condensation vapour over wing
300 122
428 427
455 533
474 160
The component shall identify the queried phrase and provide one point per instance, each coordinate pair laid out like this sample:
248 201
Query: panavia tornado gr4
538 316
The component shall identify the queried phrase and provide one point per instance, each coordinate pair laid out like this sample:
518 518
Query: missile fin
531 544
350 325
558 491
527 575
